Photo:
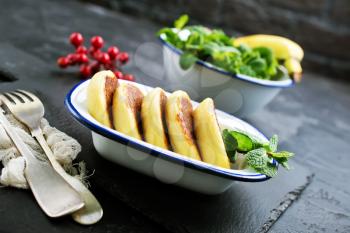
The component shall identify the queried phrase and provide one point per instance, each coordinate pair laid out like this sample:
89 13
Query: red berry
118 74
91 51
82 58
76 39
81 49
104 58
95 53
85 71
72 58
97 42
109 66
113 52
129 77
123 57
63 62
95 67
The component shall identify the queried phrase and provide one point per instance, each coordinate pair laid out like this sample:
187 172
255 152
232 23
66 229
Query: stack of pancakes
165 121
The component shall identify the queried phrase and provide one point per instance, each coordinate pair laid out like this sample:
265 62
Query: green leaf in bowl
187 60
181 22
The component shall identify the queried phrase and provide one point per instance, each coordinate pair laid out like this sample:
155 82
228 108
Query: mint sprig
258 155
273 143
257 158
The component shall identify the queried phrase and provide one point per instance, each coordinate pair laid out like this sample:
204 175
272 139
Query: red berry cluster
92 59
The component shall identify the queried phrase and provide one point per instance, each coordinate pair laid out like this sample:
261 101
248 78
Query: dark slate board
246 207
19 213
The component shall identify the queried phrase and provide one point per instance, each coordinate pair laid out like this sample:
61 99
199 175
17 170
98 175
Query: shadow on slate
20 213
246 207
6 76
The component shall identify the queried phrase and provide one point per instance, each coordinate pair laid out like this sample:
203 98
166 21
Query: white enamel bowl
240 95
164 165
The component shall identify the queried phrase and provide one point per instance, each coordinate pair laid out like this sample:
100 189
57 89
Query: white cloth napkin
64 148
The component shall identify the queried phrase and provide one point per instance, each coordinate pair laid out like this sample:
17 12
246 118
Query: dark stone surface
341 12
336 41
311 119
245 207
20 214
248 17
315 7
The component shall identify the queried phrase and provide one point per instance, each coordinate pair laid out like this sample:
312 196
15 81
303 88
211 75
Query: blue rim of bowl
157 152
257 81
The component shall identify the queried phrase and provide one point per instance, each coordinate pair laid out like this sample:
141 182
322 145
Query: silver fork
28 109
53 194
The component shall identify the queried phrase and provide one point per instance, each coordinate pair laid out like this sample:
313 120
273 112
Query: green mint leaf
230 144
181 22
285 165
257 158
258 65
273 143
281 73
247 70
281 154
260 162
232 156
170 36
164 31
269 170
228 49
187 60
283 161
245 143
245 49
265 53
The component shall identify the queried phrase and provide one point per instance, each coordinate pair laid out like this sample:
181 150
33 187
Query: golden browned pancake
127 101
208 135
180 124
99 96
153 118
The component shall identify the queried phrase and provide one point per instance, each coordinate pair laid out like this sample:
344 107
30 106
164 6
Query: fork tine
16 96
29 95
26 95
7 99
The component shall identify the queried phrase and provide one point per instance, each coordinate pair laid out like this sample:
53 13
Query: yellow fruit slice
99 96
208 134
153 118
180 124
126 108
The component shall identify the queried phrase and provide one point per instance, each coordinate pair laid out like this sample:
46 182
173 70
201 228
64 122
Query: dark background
321 27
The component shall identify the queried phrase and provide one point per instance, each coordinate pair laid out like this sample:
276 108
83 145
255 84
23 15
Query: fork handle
53 194
38 135
92 211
